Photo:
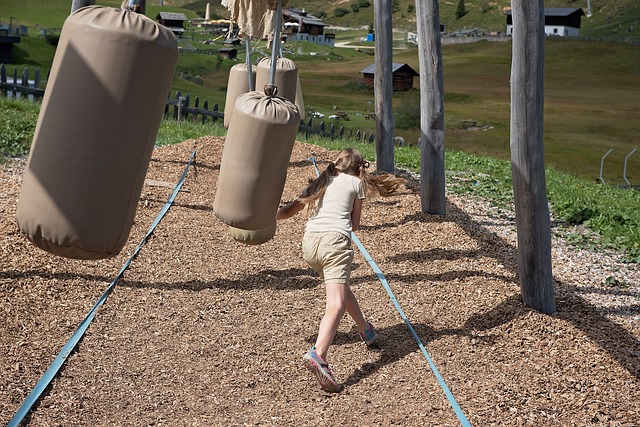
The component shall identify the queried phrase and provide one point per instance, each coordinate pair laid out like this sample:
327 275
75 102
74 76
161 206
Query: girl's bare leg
353 308
339 298
334 310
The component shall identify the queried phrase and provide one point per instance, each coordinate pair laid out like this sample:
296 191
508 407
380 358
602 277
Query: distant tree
321 15
364 3
461 10
355 8
410 8
395 6
370 28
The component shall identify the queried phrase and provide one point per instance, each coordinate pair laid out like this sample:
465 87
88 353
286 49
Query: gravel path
203 331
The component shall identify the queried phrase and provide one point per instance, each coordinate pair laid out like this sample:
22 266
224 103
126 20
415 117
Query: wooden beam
432 182
527 156
383 86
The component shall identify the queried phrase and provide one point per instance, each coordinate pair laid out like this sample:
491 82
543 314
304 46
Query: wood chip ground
204 331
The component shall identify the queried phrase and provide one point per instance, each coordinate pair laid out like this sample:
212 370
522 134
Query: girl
335 199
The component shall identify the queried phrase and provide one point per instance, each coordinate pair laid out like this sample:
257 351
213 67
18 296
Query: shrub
52 39
407 114
340 12
461 10
358 86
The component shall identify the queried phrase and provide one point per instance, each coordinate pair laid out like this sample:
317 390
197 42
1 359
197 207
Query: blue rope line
454 404
54 368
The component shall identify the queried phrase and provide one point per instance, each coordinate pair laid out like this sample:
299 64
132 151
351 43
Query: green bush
52 39
364 3
358 86
461 10
340 12
355 8
407 114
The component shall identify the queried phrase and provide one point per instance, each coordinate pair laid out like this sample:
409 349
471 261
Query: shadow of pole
610 336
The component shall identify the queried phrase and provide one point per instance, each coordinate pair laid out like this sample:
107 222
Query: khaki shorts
330 254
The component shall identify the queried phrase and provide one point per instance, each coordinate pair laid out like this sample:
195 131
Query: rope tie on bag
57 363
454 404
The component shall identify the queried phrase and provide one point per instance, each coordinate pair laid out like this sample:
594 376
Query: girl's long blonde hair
351 161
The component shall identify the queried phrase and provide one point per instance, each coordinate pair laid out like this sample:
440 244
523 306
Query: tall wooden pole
77 4
432 182
383 86
527 156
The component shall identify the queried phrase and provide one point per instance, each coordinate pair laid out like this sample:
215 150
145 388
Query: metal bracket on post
624 173
602 165
137 6
251 83
276 43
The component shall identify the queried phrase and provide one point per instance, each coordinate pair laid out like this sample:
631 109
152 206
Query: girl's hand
289 210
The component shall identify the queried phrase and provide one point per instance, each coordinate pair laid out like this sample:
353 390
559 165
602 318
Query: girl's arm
289 210
355 214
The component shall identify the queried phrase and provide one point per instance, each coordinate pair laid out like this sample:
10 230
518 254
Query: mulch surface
204 331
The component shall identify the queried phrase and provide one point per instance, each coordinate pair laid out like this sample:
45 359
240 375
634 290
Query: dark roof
566 16
559 11
303 17
172 16
371 69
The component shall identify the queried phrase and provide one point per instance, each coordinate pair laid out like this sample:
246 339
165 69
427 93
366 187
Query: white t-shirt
333 211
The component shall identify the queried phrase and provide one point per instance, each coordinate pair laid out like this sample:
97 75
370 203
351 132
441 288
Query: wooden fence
179 108
20 87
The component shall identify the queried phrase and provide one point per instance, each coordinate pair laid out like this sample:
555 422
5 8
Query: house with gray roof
558 21
299 25
403 76
173 21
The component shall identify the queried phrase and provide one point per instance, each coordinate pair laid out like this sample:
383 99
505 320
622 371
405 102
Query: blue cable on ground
55 366
454 404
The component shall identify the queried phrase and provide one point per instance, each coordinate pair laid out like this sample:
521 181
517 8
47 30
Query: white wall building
560 21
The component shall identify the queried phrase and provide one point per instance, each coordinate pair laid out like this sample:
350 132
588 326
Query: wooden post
77 4
432 182
527 156
3 79
383 86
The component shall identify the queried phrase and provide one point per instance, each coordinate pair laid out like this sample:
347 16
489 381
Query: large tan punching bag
286 79
254 165
237 85
95 134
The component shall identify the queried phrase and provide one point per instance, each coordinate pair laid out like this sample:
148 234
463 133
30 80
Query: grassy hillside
592 96
610 18
52 13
